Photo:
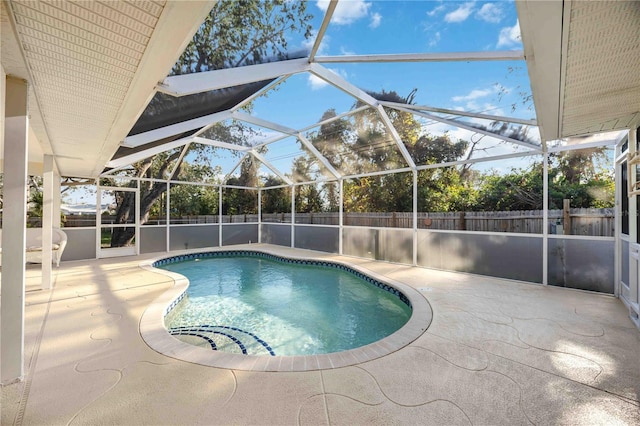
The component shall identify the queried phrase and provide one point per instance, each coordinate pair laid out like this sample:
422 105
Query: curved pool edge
156 336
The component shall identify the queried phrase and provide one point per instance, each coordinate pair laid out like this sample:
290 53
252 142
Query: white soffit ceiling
14 65
602 77
583 59
94 66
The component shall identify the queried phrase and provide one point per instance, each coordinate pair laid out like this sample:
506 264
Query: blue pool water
260 306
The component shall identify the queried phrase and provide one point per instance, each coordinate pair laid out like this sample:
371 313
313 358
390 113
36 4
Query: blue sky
379 27
360 27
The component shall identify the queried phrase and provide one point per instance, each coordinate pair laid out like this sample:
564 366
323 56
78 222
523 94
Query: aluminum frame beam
228 175
337 117
271 167
479 160
307 143
220 144
141 155
454 123
189 84
501 55
184 151
331 7
396 137
260 92
174 129
342 84
594 144
462 113
263 123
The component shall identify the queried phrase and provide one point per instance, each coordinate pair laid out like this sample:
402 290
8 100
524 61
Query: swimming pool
155 333
258 304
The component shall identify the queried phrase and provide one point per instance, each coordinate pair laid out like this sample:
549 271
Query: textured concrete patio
497 352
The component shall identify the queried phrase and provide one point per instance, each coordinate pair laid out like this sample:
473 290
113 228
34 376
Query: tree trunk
122 237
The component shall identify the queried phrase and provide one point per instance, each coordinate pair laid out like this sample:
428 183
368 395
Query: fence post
462 225
566 216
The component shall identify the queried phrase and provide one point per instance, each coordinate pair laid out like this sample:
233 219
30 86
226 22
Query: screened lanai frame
350 240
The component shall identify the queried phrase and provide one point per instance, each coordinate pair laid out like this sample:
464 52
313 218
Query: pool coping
156 336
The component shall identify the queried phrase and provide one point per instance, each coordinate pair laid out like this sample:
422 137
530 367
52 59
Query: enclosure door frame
628 285
105 252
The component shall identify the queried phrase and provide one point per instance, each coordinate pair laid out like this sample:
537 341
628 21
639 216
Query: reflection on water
246 304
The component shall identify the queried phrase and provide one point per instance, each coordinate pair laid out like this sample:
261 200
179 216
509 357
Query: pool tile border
254 253
156 335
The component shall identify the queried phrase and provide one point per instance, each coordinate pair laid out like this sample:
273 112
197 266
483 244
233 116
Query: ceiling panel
602 80
83 57
92 66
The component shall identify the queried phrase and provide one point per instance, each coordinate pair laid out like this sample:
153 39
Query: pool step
221 336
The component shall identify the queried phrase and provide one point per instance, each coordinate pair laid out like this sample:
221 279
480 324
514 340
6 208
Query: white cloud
460 14
435 39
484 108
436 10
473 95
490 12
316 83
345 51
375 20
346 11
509 36
473 101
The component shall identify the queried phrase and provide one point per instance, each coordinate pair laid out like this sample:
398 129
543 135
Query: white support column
167 208
633 180
47 221
340 215
415 218
617 270
634 263
545 216
259 215
16 132
137 216
293 216
220 189
57 195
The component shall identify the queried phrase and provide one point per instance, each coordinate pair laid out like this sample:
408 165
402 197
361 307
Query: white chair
34 245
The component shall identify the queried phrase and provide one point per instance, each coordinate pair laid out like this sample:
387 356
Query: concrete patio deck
497 352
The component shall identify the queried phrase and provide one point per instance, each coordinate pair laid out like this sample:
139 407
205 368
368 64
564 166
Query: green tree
242 201
36 199
193 200
276 200
583 176
363 144
235 33
244 32
520 189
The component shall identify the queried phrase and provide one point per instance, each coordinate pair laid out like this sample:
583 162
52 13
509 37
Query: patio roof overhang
84 105
583 59
91 68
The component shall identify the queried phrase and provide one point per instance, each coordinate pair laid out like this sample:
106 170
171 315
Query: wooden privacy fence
581 221
576 221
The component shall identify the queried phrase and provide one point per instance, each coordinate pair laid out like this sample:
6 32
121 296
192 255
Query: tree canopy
245 32
235 33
